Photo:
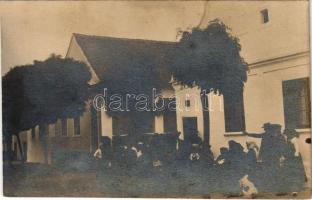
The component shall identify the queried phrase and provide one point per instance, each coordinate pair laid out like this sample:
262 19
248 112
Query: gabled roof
107 55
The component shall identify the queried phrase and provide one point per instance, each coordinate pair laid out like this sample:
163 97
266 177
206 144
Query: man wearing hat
271 152
272 144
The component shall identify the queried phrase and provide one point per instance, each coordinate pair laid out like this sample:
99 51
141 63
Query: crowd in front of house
275 167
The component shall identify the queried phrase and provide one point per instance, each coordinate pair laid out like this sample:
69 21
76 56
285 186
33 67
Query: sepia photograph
156 99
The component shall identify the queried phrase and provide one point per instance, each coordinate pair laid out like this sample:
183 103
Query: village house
275 43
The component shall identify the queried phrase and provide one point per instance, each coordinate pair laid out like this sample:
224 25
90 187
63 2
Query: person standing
223 158
272 144
271 153
98 156
293 169
251 156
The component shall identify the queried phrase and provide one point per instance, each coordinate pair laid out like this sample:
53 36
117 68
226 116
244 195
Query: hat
269 125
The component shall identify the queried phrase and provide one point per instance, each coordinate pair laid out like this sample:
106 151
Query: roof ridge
125 39
109 53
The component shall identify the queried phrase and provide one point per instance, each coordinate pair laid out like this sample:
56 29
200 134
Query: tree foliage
211 59
42 92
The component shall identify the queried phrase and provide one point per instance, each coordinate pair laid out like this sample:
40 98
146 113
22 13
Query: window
234 115
187 103
297 109
64 127
77 125
33 133
265 15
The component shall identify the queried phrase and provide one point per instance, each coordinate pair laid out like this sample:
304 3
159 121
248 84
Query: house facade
275 43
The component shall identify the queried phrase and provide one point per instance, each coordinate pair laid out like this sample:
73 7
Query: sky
32 30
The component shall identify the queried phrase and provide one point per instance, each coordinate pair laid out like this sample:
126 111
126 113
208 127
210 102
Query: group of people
274 167
281 162
152 152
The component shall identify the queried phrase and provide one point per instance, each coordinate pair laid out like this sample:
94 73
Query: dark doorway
189 126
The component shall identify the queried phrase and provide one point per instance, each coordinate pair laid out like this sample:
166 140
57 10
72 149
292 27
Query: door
189 127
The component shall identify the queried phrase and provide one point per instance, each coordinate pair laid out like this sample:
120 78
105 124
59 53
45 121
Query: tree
210 58
40 93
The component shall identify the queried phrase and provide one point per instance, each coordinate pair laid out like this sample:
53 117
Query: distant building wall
72 141
286 32
34 151
34 146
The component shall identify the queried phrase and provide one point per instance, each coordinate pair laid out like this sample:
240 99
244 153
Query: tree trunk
206 119
45 148
9 153
20 147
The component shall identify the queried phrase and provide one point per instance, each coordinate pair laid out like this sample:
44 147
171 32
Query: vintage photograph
156 99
